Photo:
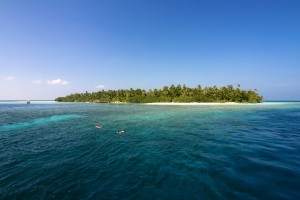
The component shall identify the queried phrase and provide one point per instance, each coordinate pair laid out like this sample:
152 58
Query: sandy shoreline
195 103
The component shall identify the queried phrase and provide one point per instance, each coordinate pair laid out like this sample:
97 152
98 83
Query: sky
52 48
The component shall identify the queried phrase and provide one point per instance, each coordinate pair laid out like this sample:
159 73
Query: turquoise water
53 151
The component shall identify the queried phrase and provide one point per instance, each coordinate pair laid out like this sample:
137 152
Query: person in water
98 126
121 131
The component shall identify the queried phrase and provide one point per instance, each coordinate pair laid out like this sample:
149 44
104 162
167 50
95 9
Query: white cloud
9 78
100 86
37 81
57 82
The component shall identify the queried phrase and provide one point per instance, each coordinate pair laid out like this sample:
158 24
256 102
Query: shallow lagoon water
53 151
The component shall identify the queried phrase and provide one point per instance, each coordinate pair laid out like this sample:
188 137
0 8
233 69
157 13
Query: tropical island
178 94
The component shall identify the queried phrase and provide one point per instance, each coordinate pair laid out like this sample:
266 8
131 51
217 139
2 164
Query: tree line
168 94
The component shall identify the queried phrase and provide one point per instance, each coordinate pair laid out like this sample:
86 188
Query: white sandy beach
194 103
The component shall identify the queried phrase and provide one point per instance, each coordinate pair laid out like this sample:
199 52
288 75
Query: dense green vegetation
168 94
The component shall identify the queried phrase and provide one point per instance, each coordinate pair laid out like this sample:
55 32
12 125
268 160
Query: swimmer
120 132
98 126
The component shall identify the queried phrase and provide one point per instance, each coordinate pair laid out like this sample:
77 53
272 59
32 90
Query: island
172 94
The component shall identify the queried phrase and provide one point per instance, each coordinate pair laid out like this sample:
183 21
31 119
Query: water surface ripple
54 151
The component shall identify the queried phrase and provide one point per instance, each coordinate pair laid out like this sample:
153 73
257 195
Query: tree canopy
179 93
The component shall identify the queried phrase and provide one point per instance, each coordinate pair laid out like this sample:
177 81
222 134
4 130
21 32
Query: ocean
52 150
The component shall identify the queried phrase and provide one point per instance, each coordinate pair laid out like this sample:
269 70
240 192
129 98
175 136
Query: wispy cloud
9 78
37 81
57 82
100 86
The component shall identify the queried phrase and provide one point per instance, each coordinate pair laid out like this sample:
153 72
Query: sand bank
194 103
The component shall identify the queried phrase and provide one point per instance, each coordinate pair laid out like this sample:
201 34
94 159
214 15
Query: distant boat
28 102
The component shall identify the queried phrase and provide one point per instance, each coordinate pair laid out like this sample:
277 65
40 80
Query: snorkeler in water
121 131
98 126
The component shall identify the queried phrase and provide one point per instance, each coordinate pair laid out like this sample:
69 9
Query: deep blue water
53 151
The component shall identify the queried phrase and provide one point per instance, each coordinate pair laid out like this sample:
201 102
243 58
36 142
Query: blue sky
54 48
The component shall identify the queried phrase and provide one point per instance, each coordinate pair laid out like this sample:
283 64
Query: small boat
28 102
